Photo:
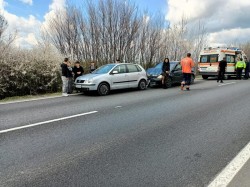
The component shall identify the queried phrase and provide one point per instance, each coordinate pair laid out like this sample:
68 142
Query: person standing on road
222 69
165 72
247 68
77 70
70 78
187 64
65 79
240 65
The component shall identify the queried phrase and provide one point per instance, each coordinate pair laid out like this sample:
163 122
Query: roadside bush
25 72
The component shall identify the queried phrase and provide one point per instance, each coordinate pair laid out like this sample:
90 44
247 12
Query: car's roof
171 62
121 63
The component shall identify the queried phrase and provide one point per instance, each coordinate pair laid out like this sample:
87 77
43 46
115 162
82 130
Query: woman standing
165 72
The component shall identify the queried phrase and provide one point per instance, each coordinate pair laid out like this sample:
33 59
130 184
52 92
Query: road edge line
232 168
27 100
45 122
36 99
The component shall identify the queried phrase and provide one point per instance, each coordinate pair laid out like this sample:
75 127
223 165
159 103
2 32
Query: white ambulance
210 57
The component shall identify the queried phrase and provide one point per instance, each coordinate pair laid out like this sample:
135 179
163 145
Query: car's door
177 73
133 75
119 77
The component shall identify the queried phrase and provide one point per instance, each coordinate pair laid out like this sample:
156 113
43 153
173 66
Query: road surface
136 138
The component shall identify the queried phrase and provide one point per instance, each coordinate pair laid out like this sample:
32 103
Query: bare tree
3 25
113 29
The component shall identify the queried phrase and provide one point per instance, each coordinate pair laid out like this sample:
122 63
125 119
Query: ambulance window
204 58
213 58
230 58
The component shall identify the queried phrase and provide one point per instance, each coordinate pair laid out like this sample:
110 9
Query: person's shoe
217 80
187 88
65 95
221 82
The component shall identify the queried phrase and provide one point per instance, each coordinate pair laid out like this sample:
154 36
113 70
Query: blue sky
40 7
28 16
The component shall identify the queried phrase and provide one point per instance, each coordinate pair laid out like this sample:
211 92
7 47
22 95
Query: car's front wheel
103 89
142 85
168 82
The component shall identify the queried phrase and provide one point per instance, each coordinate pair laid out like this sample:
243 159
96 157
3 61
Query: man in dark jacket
165 72
92 67
222 69
65 79
77 70
247 68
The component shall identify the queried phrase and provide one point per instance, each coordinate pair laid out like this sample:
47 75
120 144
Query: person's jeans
70 86
239 73
187 78
246 73
65 85
221 75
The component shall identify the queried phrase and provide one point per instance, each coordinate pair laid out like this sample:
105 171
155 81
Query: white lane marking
45 122
226 84
228 173
37 99
118 107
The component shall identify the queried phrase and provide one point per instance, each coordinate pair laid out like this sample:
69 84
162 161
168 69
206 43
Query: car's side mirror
114 72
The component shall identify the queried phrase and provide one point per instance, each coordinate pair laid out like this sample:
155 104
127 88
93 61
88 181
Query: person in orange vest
186 63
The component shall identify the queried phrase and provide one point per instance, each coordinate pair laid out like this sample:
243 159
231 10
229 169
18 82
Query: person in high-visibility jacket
239 66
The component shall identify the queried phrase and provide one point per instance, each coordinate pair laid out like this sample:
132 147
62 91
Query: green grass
27 97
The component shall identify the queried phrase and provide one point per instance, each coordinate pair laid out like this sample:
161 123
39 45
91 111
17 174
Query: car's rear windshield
103 69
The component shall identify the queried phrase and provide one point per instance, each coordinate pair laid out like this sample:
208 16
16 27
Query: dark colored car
175 77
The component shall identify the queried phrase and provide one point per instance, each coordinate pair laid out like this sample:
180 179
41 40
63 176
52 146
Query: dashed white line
118 107
226 84
45 122
228 173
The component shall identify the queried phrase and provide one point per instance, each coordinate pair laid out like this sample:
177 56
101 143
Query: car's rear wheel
103 89
142 85
168 82
204 76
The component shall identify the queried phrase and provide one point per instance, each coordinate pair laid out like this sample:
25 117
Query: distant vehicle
112 77
210 57
175 76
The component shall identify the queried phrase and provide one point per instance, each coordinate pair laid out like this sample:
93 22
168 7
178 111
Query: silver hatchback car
113 76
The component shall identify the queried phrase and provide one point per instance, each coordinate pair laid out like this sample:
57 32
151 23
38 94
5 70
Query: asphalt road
135 138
